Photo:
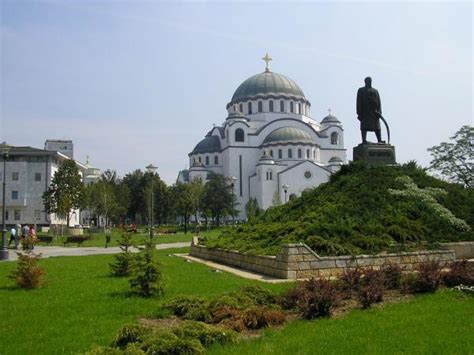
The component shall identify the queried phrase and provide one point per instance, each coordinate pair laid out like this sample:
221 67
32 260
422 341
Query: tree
124 260
66 192
183 202
218 197
455 161
252 209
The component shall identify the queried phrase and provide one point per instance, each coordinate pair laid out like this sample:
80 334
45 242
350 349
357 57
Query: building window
280 154
334 138
299 153
260 106
269 175
290 153
307 153
6 215
216 160
314 154
37 176
38 215
207 160
15 176
307 174
199 159
14 195
292 107
299 108
250 108
282 106
241 108
17 215
271 153
292 197
239 135
271 105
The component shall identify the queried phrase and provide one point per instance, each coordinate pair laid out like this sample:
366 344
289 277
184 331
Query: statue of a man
369 110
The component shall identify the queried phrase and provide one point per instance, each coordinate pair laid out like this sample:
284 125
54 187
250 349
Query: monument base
375 153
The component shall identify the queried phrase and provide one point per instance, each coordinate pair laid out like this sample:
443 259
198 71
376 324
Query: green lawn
441 323
81 306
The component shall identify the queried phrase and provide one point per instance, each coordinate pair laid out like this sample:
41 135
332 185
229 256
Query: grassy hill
357 211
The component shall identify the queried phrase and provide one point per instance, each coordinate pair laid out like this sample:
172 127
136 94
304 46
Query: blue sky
133 83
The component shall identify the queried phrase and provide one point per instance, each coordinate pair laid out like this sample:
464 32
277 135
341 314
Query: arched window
280 154
260 106
269 175
307 153
241 108
239 135
290 153
292 197
271 105
216 160
271 153
282 106
300 155
299 109
250 108
292 107
334 138
199 159
207 160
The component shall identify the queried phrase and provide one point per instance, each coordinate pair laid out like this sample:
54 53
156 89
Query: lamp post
151 169
232 180
285 189
4 251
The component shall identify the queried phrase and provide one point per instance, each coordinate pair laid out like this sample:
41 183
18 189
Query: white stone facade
267 141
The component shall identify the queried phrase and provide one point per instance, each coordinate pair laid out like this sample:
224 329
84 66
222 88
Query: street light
232 180
285 189
4 251
151 169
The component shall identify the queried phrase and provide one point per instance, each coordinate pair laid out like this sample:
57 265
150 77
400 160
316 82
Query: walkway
49 252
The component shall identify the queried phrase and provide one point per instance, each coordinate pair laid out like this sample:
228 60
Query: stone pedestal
375 153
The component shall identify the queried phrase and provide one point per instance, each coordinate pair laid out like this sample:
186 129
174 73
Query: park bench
74 239
45 239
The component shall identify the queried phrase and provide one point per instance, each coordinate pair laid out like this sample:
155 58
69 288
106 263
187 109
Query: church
269 147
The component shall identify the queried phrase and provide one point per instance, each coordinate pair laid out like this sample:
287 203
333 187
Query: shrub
125 260
27 273
371 288
393 275
257 317
460 273
129 333
189 307
229 317
105 350
350 280
289 300
429 277
147 280
316 298
256 294
174 346
205 333
408 282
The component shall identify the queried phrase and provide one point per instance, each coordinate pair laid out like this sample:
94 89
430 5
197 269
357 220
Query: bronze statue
369 110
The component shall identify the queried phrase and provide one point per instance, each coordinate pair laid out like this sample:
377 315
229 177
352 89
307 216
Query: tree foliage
218 199
66 192
455 160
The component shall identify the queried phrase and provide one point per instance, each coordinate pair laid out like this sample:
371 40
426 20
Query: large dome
267 83
288 134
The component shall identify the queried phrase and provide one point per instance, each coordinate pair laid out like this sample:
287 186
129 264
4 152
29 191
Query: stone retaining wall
297 261
463 250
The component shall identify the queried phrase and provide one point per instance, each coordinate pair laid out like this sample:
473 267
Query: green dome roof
266 83
210 144
286 134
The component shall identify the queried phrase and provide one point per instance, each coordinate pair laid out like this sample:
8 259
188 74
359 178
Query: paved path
48 252
234 270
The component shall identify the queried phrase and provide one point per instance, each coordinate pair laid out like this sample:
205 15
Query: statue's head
368 82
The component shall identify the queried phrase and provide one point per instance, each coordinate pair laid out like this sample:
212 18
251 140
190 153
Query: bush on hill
357 211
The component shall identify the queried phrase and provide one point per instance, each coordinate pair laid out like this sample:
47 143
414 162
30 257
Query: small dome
336 160
267 83
287 134
210 144
330 119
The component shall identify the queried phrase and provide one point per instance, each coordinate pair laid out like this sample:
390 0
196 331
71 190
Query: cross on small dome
267 60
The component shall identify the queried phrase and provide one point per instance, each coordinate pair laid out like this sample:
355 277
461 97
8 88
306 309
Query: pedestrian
32 236
12 236
25 233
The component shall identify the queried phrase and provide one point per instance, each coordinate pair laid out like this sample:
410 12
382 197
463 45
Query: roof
185 174
210 144
330 119
267 83
286 134
336 160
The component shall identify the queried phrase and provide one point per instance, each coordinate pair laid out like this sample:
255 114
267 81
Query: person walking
25 233
12 236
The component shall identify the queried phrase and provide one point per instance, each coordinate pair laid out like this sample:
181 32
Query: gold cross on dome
329 110
267 60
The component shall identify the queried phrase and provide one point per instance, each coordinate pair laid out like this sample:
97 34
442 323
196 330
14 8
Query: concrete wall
297 261
463 250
